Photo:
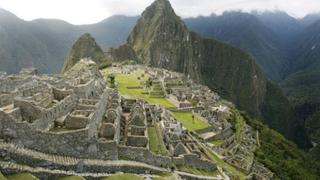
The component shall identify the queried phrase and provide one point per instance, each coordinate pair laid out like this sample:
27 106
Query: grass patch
123 177
156 143
239 124
230 169
2 177
22 176
72 178
217 142
166 176
186 119
125 80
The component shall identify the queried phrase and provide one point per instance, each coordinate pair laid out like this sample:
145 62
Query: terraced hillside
270 142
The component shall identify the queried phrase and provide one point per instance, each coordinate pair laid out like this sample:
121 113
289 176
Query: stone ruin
75 116
137 134
188 96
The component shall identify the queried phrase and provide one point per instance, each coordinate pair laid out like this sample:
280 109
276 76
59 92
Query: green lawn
2 177
125 80
224 165
22 176
156 143
217 142
123 177
72 178
186 119
165 176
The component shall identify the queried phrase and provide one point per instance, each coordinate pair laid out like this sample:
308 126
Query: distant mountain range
44 43
287 50
264 35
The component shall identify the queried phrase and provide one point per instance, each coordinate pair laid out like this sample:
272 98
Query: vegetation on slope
72 178
2 177
247 32
22 176
156 143
276 107
280 155
191 124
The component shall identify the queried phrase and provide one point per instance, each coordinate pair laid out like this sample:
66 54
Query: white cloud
91 11
74 11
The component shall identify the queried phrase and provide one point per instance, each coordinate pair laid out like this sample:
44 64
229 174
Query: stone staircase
35 159
38 155
44 173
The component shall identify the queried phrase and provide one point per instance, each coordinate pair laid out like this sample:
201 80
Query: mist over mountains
269 36
44 43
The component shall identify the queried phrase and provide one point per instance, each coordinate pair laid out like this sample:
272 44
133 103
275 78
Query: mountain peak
7 16
86 36
159 8
162 4
84 47
157 23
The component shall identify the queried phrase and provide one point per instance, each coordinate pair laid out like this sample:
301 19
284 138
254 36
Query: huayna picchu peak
85 47
145 97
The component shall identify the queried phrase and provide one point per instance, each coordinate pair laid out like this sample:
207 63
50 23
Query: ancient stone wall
98 114
143 155
71 143
61 94
193 160
226 133
205 130
35 159
62 108
9 84
85 90
137 141
29 112
6 99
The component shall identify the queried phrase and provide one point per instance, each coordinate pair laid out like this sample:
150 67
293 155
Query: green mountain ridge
44 43
302 86
246 31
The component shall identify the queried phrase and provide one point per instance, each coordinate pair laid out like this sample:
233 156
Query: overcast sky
92 11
